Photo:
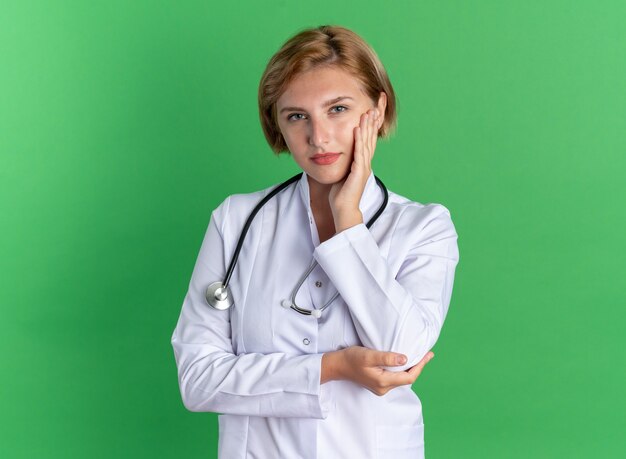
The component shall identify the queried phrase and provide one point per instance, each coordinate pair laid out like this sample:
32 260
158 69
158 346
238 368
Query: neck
320 206
318 194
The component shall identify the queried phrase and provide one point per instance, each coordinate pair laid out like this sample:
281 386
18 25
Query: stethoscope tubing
246 226
294 293
218 294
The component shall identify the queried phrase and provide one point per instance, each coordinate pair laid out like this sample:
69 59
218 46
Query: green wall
124 123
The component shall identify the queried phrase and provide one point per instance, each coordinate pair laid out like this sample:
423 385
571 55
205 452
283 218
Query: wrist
348 219
331 368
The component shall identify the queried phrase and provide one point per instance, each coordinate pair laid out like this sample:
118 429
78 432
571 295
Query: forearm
401 311
271 385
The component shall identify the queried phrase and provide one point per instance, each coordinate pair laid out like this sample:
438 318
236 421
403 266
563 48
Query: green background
124 123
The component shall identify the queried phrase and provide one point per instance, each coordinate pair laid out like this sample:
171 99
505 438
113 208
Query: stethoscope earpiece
286 304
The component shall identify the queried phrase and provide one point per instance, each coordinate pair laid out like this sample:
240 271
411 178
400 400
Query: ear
381 106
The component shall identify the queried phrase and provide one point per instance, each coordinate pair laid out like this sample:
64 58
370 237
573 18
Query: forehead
319 85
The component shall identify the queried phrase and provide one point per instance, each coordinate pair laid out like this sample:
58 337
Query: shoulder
427 222
236 208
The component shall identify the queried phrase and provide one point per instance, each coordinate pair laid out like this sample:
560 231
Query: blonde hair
316 47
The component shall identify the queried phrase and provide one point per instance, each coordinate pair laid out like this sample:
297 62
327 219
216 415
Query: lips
325 158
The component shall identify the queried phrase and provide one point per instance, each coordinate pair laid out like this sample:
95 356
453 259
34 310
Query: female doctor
311 350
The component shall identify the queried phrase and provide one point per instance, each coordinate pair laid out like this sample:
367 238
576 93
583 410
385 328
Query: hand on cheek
345 195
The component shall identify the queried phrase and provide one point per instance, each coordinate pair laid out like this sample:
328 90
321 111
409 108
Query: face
317 114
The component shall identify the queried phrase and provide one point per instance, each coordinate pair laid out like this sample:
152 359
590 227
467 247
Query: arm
400 306
212 378
401 312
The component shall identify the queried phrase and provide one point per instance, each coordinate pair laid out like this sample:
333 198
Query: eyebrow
325 104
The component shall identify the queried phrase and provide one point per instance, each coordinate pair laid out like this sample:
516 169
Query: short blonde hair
316 47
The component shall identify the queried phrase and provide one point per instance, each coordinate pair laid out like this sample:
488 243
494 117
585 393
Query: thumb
391 359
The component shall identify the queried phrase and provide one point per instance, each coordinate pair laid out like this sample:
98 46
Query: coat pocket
400 442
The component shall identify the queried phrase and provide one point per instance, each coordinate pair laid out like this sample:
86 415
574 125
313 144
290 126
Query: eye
343 107
297 116
291 117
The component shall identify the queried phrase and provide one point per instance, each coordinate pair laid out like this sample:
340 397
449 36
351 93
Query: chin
328 177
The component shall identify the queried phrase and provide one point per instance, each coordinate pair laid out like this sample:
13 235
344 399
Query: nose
319 133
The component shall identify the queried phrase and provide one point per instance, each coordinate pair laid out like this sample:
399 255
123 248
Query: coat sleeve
212 378
400 309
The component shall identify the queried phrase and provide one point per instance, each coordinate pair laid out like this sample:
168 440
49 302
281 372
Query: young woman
310 342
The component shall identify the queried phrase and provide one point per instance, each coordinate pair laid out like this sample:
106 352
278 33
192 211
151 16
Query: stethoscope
218 294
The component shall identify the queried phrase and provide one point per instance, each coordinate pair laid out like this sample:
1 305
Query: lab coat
258 363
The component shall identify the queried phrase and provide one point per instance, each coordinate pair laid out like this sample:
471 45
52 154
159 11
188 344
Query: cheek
292 138
296 143
345 131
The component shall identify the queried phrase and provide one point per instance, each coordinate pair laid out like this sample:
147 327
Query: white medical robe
259 364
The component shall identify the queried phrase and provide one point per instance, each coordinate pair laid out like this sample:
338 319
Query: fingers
373 119
358 144
415 371
365 135
365 367
372 133
361 143
389 379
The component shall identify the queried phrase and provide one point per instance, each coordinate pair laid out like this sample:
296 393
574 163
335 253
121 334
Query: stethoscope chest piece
218 296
